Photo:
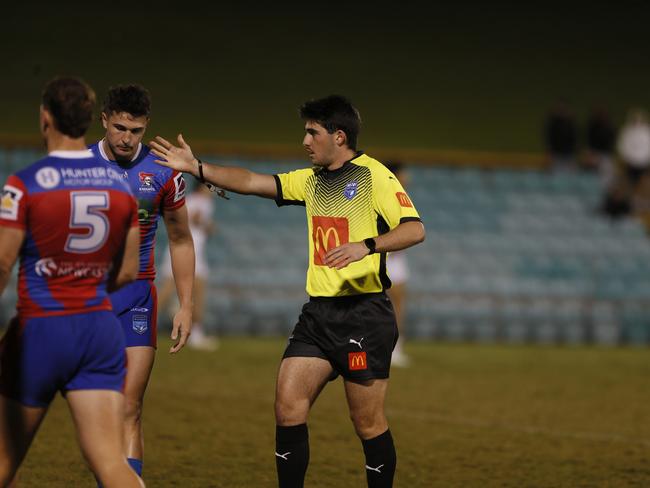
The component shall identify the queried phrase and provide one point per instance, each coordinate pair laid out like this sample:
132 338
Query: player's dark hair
334 112
71 102
132 99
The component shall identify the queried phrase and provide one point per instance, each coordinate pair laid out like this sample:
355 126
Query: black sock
291 455
381 460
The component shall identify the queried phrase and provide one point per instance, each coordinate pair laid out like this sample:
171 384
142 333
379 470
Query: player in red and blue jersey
73 223
160 192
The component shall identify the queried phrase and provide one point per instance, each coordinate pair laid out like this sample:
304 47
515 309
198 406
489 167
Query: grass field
462 416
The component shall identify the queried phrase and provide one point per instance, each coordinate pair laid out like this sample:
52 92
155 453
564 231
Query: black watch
371 244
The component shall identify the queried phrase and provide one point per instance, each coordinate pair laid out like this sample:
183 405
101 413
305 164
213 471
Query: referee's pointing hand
341 256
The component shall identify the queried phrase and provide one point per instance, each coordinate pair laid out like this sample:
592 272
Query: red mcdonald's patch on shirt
403 199
328 233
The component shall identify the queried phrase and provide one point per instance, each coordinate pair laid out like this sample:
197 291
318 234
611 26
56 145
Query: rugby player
159 191
357 211
73 223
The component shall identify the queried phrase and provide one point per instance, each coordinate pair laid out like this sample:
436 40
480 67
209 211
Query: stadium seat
519 256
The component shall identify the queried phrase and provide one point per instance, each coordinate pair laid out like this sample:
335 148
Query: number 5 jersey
76 213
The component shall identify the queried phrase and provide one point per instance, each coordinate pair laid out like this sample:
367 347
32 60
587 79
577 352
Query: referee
357 211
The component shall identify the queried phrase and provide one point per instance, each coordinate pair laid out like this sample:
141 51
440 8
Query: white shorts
202 270
397 267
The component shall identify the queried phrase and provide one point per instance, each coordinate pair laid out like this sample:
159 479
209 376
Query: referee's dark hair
71 102
334 112
132 99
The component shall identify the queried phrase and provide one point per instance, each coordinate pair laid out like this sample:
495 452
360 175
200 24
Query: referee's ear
340 138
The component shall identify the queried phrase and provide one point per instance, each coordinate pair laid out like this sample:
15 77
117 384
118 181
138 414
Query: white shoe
202 342
400 360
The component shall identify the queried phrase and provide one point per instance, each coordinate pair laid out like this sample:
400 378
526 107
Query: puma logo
284 456
358 343
377 469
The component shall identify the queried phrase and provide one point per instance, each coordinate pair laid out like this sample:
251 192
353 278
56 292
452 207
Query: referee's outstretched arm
238 180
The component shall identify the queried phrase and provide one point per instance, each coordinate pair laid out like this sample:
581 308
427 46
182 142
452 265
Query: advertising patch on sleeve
403 199
179 187
11 197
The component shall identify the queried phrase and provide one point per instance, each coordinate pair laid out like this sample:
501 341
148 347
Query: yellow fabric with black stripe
359 200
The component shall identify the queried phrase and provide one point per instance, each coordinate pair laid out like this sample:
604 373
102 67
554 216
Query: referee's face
321 145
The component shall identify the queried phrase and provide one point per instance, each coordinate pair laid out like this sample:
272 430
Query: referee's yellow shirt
359 200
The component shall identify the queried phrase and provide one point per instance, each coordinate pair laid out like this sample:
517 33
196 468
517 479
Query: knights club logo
146 179
328 233
351 189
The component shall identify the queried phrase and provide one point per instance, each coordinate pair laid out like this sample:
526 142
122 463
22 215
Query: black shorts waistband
348 298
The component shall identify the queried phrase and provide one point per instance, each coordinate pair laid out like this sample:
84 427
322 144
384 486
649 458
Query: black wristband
200 177
371 244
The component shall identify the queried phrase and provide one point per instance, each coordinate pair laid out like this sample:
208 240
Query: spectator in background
398 272
634 146
200 209
601 141
561 137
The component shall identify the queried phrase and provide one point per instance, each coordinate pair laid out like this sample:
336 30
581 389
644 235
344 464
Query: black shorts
356 334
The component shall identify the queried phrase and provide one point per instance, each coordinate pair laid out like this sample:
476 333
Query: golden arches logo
322 236
357 360
403 199
328 233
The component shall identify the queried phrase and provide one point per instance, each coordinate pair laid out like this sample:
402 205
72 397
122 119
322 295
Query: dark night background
431 76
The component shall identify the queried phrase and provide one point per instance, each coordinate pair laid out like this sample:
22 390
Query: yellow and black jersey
361 199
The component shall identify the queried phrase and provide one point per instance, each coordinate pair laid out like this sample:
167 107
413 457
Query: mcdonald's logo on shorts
328 233
357 360
403 199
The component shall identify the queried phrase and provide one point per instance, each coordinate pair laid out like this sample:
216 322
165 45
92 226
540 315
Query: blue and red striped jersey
156 188
76 213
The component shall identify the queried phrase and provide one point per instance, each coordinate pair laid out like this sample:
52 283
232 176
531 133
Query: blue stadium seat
510 255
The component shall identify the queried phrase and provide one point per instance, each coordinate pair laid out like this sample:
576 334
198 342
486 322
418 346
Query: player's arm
11 240
238 180
127 263
181 249
406 234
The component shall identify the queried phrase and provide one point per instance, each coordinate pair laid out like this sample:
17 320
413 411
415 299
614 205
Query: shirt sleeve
291 187
13 210
391 200
174 192
135 222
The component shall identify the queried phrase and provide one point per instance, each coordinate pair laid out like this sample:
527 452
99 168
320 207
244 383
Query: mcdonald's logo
403 199
357 360
328 233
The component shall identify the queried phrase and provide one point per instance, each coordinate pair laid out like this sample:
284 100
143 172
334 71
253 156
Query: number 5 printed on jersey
86 213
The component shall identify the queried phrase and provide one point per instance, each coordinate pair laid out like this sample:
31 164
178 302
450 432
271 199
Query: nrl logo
140 324
350 190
